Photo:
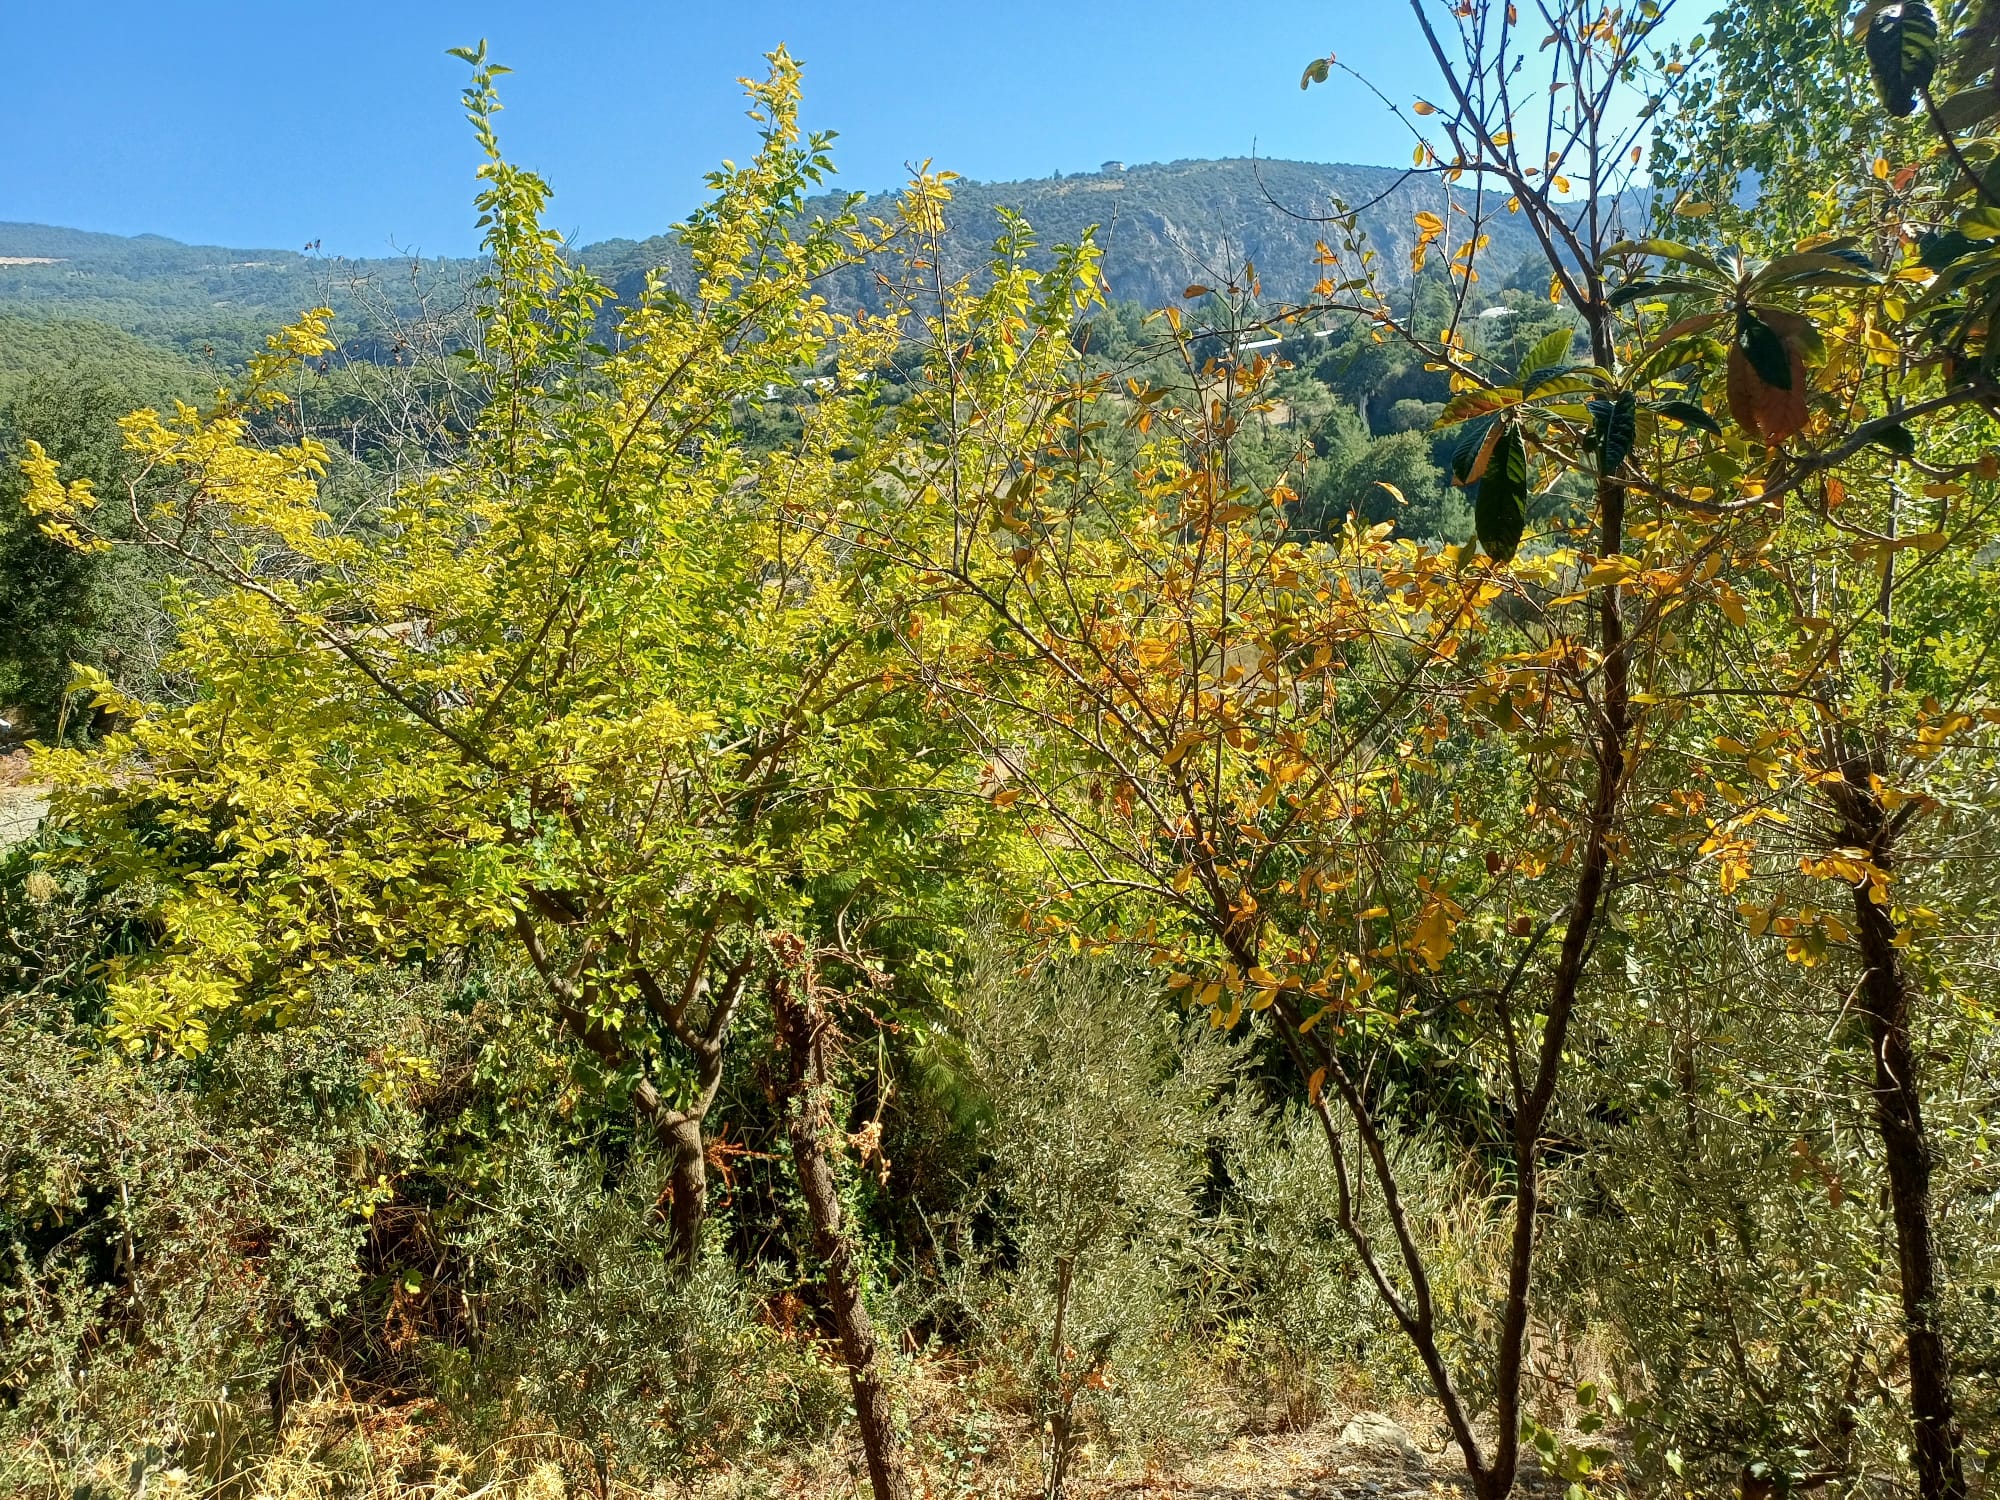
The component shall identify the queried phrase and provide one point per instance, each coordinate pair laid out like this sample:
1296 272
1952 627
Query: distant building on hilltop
1112 166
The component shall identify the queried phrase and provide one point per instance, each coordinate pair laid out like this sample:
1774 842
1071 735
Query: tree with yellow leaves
604 686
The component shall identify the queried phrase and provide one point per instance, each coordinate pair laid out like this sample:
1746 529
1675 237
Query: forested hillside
1160 227
1052 840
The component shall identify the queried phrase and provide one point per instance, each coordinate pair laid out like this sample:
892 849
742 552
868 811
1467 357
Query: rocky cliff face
1164 226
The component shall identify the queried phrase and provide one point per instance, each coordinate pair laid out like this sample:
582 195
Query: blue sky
270 125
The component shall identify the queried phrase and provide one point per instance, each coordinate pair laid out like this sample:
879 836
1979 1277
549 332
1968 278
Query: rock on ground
21 810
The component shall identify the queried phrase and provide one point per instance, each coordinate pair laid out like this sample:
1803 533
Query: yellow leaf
1315 1084
1432 939
1610 570
1424 107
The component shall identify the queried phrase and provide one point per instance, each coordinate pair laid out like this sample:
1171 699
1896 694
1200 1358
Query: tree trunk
1886 999
1610 750
803 1030
679 1130
689 1185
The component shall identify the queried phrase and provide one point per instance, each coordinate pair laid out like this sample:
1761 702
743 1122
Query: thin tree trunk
1532 1112
1887 997
1062 1423
803 1030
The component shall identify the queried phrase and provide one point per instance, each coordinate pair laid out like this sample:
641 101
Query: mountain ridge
1162 225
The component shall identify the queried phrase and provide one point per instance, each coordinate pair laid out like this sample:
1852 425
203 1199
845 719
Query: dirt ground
1367 1457
1363 1457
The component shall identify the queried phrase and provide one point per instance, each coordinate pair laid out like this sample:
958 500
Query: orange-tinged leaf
1477 469
1766 411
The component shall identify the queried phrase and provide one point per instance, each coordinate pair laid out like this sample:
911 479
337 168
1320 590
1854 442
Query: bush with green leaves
1301 1322
173 1234
1101 1109
404 1189
581 1320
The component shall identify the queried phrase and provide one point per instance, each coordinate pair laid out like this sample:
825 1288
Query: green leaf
1982 223
1936 251
1817 268
1662 286
1796 329
1614 425
1847 247
1566 382
1689 415
1968 107
1765 351
1899 440
1902 51
1668 250
1501 512
1315 72
1550 351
